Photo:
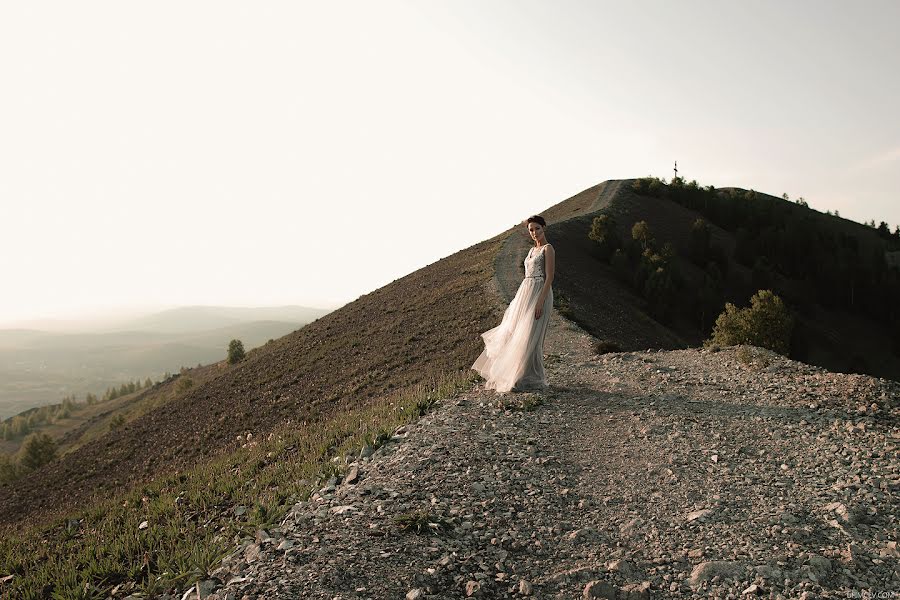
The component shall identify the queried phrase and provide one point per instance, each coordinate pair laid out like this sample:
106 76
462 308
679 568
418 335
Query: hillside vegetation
666 258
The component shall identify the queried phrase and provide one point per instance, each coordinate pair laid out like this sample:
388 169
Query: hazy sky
170 153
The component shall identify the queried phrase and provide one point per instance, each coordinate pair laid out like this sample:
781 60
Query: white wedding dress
513 356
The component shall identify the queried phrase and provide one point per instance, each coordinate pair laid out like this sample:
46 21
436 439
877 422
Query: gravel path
684 474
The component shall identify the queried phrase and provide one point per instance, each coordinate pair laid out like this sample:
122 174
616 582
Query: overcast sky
169 153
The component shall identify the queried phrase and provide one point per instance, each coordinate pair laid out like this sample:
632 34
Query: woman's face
536 231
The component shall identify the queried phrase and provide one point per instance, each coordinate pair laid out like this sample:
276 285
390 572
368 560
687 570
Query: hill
418 327
188 466
204 318
40 367
794 250
412 330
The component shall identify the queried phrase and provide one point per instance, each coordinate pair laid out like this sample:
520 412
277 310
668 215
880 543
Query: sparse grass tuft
528 402
423 520
751 356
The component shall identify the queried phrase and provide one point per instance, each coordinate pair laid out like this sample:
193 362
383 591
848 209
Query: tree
235 351
766 323
9 470
603 231
38 450
640 232
698 245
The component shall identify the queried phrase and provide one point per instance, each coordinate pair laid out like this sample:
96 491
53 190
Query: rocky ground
684 474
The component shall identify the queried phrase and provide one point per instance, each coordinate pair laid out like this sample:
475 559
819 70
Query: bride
513 357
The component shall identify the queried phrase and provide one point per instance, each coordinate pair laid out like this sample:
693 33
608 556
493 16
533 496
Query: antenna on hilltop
676 169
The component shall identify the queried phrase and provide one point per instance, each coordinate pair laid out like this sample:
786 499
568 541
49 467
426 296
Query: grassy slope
90 421
39 369
415 328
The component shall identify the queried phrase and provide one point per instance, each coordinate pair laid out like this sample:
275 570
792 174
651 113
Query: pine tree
38 450
235 351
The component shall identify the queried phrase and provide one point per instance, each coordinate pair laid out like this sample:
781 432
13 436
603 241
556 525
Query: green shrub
699 242
38 450
9 470
767 323
640 232
235 351
604 232
116 422
184 384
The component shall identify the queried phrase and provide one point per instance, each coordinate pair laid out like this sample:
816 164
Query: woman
513 357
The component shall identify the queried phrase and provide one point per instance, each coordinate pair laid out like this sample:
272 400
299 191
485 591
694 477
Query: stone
525 587
635 591
251 553
712 568
624 567
352 476
599 589
698 514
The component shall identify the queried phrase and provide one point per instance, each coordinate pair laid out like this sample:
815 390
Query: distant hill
201 318
41 367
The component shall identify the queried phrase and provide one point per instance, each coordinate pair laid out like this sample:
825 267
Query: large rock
711 568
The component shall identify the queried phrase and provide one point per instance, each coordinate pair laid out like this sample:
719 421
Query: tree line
828 263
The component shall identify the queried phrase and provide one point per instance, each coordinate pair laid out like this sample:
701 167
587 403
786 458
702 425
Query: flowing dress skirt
513 356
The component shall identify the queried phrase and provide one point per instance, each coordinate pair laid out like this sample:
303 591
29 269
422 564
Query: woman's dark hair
537 219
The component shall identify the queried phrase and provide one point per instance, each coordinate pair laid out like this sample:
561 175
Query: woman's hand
538 311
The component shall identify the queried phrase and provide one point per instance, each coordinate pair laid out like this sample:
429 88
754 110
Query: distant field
40 368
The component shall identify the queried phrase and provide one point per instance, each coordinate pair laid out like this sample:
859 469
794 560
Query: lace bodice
534 262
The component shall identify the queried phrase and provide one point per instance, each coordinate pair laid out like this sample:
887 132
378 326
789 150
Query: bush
9 470
603 231
184 384
116 422
641 233
766 323
699 242
38 450
235 351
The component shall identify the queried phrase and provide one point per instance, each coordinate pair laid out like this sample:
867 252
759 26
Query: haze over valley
39 367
